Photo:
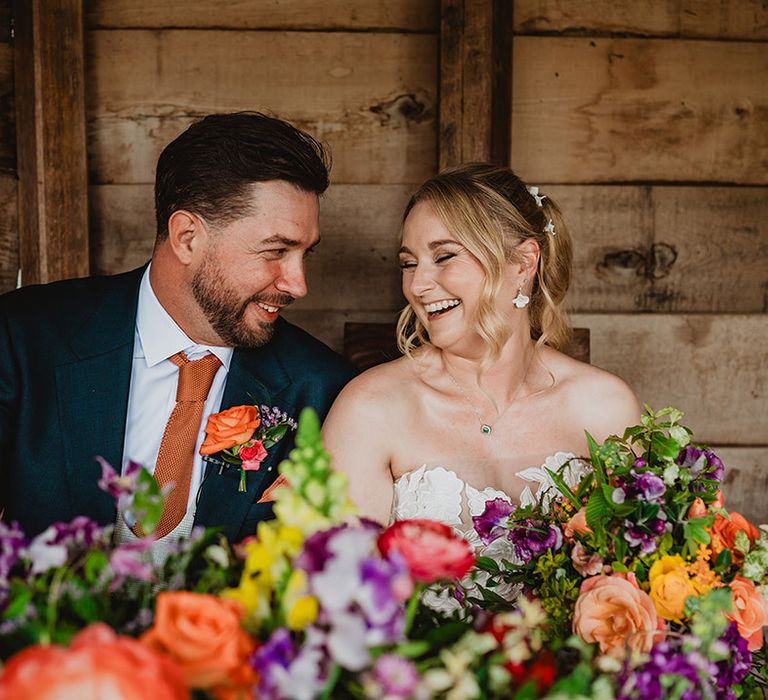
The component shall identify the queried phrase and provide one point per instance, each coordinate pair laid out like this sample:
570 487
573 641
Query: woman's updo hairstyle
490 211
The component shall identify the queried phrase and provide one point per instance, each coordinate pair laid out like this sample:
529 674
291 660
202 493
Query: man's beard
225 311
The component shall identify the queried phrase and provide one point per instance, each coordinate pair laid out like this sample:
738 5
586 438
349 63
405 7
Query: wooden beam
475 81
50 138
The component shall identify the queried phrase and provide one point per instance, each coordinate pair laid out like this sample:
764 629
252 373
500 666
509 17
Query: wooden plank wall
646 119
9 233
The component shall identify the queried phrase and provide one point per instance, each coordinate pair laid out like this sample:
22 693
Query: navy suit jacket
65 367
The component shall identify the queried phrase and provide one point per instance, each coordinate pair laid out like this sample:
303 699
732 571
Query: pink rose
432 550
611 611
253 456
749 611
586 564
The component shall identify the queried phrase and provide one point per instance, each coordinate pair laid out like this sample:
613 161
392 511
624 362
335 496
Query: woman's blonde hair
490 211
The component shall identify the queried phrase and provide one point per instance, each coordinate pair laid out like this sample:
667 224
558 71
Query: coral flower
98 664
202 634
750 611
432 550
613 612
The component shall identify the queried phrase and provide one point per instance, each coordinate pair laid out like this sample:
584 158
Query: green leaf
95 563
18 600
596 511
696 530
85 607
596 461
413 649
446 634
147 502
487 564
663 447
558 480
723 561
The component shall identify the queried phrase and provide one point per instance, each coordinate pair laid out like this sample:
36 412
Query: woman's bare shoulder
600 400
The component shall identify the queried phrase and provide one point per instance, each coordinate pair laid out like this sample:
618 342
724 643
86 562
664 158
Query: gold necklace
487 428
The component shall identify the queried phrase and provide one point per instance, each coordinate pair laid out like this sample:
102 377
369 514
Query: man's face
254 266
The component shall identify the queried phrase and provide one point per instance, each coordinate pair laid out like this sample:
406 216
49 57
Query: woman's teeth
440 306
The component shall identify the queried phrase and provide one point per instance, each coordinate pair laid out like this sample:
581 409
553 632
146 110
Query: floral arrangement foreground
632 581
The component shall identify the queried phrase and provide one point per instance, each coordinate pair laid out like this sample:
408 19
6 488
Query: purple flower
12 544
397 676
491 523
285 671
666 660
640 463
649 486
734 669
637 536
121 488
531 537
316 552
703 464
127 561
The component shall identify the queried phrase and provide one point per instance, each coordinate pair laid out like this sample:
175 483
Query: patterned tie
177 448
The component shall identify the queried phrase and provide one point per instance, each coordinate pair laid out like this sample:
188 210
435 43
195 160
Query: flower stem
413 604
242 487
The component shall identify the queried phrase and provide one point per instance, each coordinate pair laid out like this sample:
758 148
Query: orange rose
723 532
750 611
229 428
97 664
577 524
610 610
202 634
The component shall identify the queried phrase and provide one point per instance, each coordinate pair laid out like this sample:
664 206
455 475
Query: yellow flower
299 607
670 586
302 613
294 511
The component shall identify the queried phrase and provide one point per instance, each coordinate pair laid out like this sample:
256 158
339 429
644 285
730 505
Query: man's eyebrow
279 239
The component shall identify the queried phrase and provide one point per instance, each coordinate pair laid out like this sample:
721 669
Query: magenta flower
491 523
397 676
127 561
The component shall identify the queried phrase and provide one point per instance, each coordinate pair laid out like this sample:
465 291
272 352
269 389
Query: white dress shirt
154 378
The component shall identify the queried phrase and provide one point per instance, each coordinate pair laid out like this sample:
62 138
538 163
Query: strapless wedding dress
440 494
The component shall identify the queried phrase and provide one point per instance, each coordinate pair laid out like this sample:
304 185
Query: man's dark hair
208 169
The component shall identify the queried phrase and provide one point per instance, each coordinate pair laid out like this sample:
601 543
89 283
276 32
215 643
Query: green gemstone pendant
485 429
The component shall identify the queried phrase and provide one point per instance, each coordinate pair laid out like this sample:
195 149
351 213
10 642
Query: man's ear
529 253
186 235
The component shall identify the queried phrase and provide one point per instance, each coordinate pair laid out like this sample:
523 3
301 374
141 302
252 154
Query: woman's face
442 282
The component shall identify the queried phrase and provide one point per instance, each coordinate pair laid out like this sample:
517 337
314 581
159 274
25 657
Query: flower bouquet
631 551
635 583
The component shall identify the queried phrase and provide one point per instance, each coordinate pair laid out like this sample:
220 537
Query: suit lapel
255 377
92 393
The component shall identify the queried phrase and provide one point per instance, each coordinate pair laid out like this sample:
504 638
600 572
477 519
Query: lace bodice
440 494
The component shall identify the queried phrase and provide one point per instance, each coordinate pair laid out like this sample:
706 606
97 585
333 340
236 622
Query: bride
482 393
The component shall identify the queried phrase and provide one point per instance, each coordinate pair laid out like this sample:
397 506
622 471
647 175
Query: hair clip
534 192
550 228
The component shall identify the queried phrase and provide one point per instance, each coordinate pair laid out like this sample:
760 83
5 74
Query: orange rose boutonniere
240 436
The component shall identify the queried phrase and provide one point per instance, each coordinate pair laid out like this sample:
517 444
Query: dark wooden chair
369 344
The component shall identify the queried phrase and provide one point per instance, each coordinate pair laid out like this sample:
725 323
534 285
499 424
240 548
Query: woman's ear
528 253
186 235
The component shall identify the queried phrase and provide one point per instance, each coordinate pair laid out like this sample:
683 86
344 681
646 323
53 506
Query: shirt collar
159 336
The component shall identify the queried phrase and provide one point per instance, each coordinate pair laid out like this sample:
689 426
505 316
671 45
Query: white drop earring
521 300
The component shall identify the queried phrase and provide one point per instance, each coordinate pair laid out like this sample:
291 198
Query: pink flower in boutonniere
253 455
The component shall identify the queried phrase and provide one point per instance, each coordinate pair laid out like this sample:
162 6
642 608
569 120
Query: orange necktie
177 448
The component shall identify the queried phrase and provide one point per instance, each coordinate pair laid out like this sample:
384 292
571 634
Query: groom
92 366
